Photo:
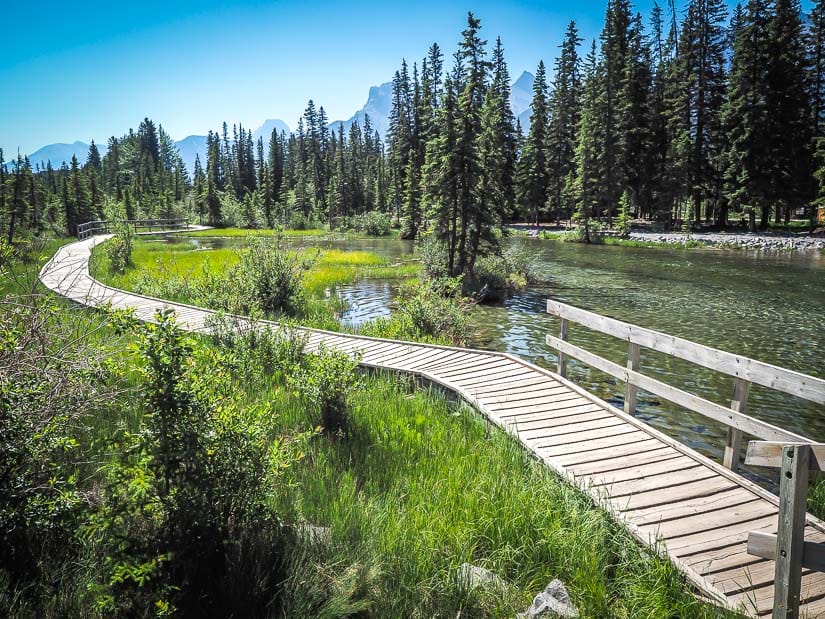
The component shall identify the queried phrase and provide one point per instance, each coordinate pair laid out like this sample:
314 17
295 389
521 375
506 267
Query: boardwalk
699 511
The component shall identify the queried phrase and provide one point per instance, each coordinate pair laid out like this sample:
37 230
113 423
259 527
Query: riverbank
767 241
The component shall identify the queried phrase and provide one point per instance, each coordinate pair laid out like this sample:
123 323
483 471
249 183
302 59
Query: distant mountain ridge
378 106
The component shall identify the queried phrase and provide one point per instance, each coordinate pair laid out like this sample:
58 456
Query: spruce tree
564 112
533 168
749 170
789 121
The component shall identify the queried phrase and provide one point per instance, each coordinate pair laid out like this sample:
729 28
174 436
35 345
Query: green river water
768 306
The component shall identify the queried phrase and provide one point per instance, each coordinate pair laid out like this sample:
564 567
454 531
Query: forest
711 118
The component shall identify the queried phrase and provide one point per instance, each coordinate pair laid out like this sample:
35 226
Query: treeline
141 173
713 118
312 175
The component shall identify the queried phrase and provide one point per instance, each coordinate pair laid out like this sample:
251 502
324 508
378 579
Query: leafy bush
247 213
259 349
299 221
430 311
51 382
119 248
268 277
500 276
433 255
326 382
374 223
184 526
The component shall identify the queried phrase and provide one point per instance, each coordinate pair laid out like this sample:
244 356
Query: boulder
552 602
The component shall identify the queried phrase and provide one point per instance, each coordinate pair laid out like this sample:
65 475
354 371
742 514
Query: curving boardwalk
688 507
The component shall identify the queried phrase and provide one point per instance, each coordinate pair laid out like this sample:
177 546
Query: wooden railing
788 547
91 228
743 370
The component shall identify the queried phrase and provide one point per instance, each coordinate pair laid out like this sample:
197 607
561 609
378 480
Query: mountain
265 130
58 153
189 147
521 95
378 106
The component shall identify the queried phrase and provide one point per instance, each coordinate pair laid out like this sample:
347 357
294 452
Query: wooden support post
631 389
733 444
562 369
790 539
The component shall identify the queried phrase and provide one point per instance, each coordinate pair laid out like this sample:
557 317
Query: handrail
744 370
90 228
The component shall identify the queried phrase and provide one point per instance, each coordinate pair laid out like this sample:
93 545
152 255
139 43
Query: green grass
243 232
423 485
174 270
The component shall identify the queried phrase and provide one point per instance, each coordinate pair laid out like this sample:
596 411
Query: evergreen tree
789 121
565 109
749 171
533 168
589 167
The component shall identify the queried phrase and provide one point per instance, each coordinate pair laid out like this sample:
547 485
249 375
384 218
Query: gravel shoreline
742 240
772 241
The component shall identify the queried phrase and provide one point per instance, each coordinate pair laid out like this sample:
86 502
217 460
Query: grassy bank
422 486
177 271
244 232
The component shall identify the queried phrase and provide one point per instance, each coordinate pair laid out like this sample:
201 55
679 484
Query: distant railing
91 228
744 371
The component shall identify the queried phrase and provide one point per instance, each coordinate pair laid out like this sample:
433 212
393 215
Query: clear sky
90 69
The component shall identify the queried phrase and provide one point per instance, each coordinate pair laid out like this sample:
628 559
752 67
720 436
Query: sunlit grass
243 232
422 485
158 260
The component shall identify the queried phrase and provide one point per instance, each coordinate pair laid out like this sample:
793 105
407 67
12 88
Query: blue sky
87 70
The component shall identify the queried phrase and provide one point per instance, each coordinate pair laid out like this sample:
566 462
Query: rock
552 602
475 576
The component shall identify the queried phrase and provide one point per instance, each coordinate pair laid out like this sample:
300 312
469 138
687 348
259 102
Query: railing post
562 368
733 442
790 538
633 350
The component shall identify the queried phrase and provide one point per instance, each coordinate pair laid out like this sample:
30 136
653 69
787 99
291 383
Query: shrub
326 382
119 248
299 221
51 381
374 223
268 277
258 348
500 276
184 524
433 256
431 311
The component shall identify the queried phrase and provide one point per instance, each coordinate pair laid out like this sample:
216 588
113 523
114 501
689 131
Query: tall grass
423 485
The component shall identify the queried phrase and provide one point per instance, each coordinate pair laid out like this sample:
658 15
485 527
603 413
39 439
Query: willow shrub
119 248
326 383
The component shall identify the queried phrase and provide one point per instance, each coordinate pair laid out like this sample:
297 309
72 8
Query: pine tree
502 170
697 96
565 109
789 118
94 169
749 171
615 41
533 168
589 167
